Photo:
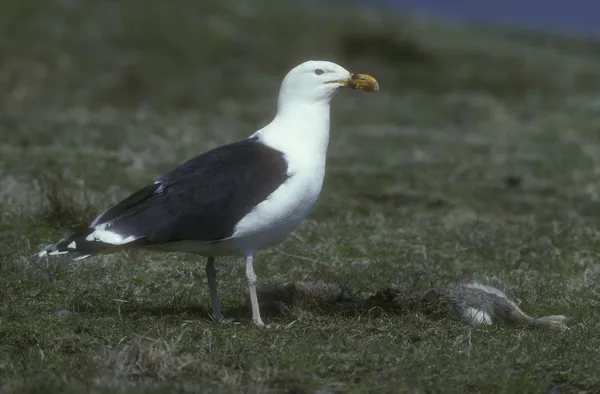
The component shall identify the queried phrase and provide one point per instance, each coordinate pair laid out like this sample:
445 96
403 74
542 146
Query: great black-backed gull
235 199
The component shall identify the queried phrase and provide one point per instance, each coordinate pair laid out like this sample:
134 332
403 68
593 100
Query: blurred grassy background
477 160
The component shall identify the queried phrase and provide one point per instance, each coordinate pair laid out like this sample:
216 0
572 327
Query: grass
477 160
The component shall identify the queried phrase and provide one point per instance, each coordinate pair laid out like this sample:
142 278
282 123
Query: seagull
236 199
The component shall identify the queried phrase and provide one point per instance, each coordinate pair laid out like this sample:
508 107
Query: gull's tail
73 248
87 242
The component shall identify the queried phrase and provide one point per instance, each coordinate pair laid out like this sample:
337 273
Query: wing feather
203 198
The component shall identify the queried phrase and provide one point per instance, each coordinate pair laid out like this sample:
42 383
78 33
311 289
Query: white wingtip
46 251
56 253
81 257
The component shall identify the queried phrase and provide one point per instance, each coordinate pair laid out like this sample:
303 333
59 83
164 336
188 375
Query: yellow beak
362 82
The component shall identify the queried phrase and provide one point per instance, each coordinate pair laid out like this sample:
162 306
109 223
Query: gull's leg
215 302
251 277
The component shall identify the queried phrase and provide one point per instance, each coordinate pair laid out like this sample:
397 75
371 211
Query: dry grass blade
64 203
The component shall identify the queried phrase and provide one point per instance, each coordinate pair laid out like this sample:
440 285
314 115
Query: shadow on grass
127 308
473 304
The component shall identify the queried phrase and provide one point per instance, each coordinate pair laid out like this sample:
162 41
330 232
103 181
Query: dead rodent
472 303
301 295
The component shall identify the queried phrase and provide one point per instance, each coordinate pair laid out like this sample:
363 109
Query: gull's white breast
275 218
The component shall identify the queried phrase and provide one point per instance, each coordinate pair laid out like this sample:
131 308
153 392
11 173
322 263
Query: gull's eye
318 71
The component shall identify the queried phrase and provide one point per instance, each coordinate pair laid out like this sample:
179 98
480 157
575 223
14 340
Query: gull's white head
318 81
301 126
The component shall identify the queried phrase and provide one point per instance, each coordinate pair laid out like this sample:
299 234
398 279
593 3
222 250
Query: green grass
477 160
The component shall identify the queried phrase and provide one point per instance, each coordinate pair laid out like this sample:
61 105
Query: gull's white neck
300 130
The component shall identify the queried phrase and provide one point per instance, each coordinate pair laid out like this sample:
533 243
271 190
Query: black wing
203 198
